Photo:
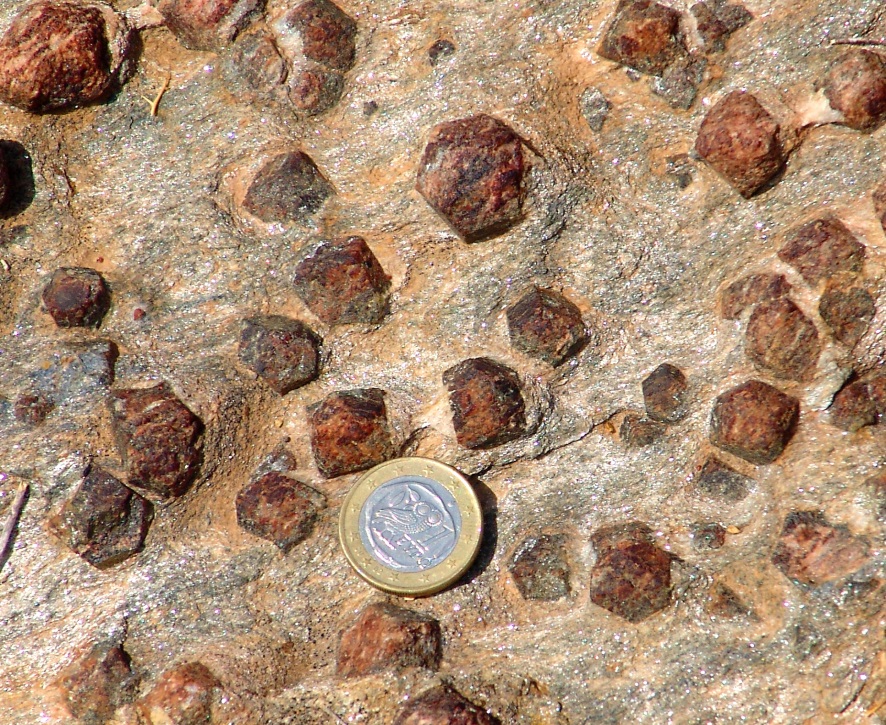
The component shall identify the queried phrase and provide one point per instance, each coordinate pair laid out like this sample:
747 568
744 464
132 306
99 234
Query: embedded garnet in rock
207 24
386 637
159 439
856 87
751 290
289 187
342 282
97 684
708 536
183 695
716 21
781 340
254 66
76 297
740 140
32 408
812 551
60 54
853 407
644 36
847 311
754 421
486 401
540 568
443 706
665 392
104 521
285 353
471 173
632 576
718 480
545 325
349 432
636 431
821 249
279 509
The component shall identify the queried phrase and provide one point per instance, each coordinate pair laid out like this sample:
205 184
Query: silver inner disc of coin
410 523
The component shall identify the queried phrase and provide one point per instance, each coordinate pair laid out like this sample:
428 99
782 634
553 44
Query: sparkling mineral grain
847 311
665 392
97 684
636 431
754 421
443 706
644 36
719 481
60 54
740 140
350 432
823 248
285 353
471 173
77 297
856 87
385 637
342 282
782 341
545 325
104 521
486 401
632 576
540 568
853 408
812 551
289 187
279 509
159 439
182 696
208 24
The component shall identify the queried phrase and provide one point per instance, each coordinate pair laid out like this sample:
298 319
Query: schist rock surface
619 263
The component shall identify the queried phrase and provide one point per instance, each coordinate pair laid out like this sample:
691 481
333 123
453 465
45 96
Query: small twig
857 41
8 529
155 101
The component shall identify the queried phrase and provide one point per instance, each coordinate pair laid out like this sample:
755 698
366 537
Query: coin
411 526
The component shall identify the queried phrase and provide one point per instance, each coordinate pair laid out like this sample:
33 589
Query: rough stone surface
632 576
98 683
754 421
76 297
740 140
706 537
636 431
443 706
486 401
546 325
716 20
823 248
471 173
750 291
782 341
595 108
350 432
644 36
60 54
812 551
342 282
540 568
208 24
723 602
32 408
254 67
679 82
283 352
159 439
279 509
385 637
441 49
104 521
720 481
856 87
289 187
183 696
847 312
665 393
853 407
876 384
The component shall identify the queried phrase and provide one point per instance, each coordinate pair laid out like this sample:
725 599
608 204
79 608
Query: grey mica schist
410 524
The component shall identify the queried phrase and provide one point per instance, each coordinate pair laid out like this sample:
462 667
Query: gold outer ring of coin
429 581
